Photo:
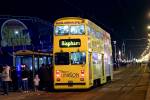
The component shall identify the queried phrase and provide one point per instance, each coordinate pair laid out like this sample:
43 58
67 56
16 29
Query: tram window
62 30
78 29
62 58
78 58
95 59
89 30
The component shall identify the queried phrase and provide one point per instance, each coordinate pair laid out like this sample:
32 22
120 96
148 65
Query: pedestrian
14 78
24 77
44 77
6 79
36 81
51 77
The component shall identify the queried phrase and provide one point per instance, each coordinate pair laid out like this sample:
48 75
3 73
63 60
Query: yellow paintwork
95 45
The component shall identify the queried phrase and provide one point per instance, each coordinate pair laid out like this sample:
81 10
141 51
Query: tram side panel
107 55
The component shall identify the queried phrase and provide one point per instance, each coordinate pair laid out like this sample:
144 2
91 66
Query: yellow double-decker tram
82 54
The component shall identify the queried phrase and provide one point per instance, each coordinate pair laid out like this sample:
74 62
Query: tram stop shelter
33 59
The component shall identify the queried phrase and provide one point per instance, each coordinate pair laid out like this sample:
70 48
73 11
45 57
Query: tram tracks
132 81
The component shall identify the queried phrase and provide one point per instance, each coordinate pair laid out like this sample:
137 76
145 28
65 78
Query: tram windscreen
62 58
62 30
72 29
78 58
77 29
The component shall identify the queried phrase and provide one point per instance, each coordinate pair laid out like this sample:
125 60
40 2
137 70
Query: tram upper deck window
62 58
78 58
77 30
70 29
62 30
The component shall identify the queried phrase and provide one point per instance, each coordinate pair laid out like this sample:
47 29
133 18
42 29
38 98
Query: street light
148 45
119 55
148 27
115 49
16 32
148 35
148 40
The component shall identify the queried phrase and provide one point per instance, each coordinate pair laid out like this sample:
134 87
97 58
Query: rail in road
130 83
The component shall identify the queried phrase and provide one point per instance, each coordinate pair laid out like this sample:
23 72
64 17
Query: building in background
23 33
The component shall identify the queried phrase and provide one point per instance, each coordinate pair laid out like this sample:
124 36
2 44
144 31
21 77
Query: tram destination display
66 43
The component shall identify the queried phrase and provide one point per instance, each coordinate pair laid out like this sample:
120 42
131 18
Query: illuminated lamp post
13 41
119 55
115 50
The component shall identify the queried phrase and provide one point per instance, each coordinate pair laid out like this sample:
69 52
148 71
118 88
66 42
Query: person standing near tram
6 79
24 77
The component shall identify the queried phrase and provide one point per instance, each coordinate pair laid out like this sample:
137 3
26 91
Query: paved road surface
129 84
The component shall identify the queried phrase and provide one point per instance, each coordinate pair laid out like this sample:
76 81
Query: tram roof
65 18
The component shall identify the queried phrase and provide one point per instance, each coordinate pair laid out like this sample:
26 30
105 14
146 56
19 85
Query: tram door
103 74
90 68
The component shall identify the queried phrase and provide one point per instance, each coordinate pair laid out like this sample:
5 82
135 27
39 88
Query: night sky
123 19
